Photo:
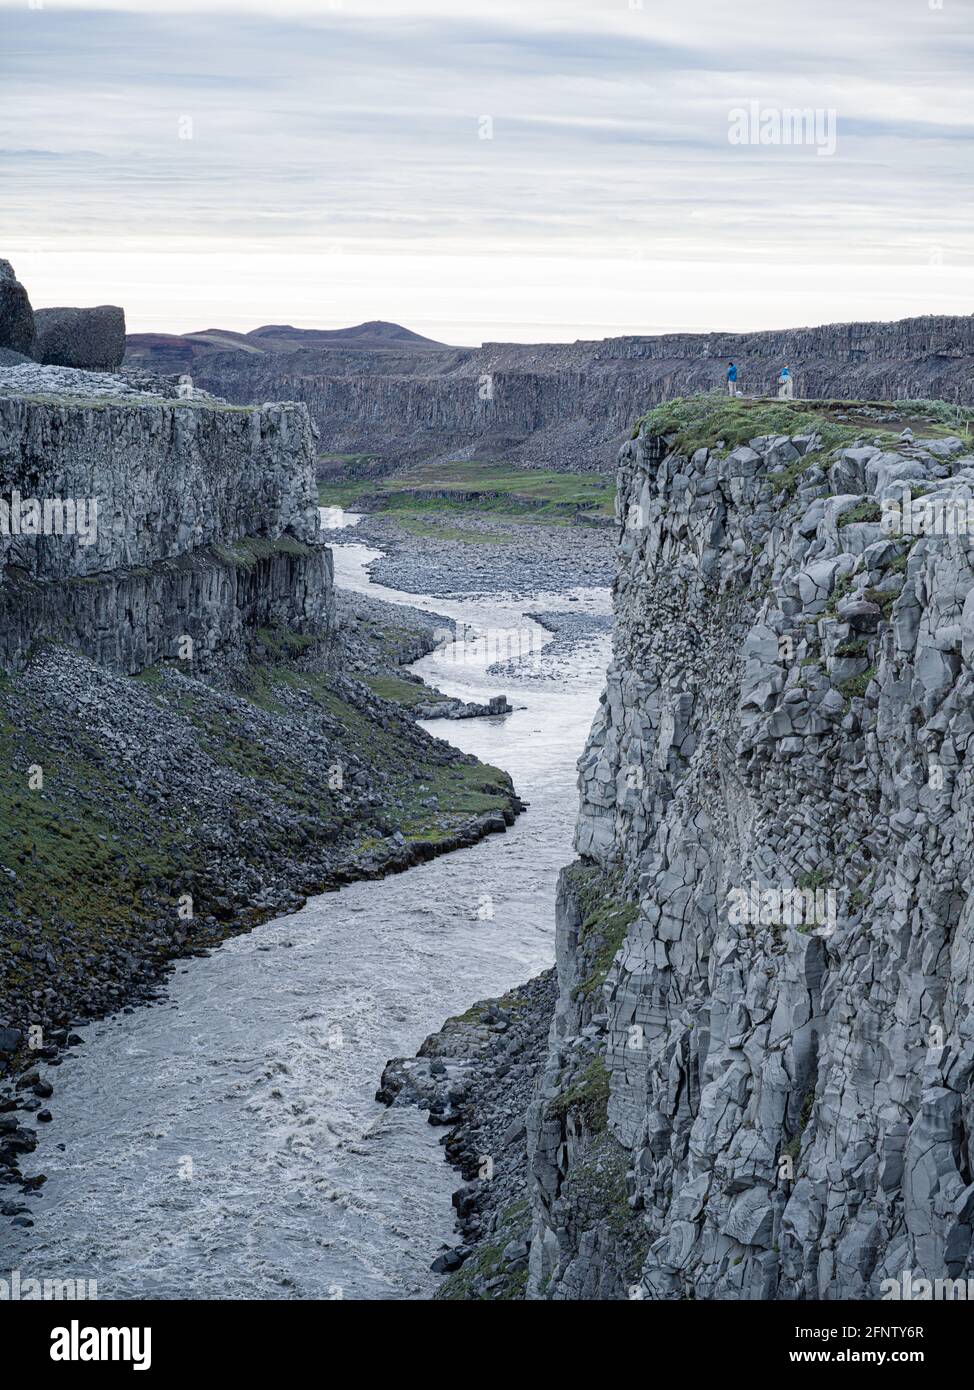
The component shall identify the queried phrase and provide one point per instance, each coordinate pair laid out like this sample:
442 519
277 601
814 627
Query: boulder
87 338
17 330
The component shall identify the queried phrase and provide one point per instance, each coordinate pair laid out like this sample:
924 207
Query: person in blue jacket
786 387
732 379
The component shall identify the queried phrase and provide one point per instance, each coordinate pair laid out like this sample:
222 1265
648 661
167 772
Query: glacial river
226 1143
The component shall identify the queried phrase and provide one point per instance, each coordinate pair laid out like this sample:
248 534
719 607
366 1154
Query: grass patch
247 554
343 494
402 692
943 412
76 861
467 789
606 916
855 687
532 494
488 1263
856 647
840 590
863 511
709 420
702 422
883 598
605 930
281 642
587 1096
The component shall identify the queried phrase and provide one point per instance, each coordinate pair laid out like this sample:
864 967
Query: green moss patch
588 1096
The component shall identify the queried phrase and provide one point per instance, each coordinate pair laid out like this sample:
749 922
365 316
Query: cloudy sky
481 169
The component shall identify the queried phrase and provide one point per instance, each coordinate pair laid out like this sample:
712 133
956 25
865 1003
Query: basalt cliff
198 524
380 391
760 1082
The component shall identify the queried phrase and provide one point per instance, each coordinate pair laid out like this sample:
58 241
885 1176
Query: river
226 1143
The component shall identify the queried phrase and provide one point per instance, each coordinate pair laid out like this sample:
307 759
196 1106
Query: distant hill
169 352
375 334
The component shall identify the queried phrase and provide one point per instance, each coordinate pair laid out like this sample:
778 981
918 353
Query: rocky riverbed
571 631
469 555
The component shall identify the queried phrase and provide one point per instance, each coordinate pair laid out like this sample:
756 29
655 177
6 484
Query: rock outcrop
17 330
89 339
93 339
563 405
761 1073
132 523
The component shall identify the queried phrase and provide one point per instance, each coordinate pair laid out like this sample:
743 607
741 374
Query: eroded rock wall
568 405
171 519
777 779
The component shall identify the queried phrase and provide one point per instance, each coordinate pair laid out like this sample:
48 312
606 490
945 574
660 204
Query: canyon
749 1075
757 1077
191 735
390 396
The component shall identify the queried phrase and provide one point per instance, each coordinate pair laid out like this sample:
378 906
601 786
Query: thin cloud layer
414 135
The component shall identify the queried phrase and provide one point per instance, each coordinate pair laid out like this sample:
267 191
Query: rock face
765 952
17 331
564 405
92 339
131 523
460 709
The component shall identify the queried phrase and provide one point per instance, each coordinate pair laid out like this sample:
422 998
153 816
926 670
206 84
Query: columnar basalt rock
17 329
131 521
93 339
777 780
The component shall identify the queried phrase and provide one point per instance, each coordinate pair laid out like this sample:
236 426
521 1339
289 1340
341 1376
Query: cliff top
69 385
714 420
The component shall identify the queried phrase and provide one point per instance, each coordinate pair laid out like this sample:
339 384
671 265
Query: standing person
786 387
731 379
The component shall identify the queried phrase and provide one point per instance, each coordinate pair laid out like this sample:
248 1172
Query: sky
485 170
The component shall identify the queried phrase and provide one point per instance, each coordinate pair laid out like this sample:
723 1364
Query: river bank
176 809
477 1075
